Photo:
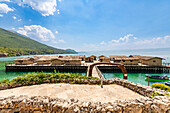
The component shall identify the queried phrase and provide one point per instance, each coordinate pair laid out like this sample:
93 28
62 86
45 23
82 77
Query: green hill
15 44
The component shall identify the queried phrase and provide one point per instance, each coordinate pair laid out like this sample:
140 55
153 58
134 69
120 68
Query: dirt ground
108 93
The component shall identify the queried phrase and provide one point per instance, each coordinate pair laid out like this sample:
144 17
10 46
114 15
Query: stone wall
38 104
141 89
24 104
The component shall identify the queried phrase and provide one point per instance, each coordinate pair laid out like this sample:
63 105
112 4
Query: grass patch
42 77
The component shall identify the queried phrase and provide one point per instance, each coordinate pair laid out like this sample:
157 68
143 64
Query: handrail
100 75
88 71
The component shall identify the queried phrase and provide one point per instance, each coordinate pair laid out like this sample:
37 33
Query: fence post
101 83
148 80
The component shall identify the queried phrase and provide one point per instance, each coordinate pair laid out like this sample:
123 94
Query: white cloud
19 20
135 38
4 0
45 7
58 41
123 39
14 17
58 11
103 43
4 8
1 15
59 0
13 28
61 41
155 42
129 42
56 32
37 32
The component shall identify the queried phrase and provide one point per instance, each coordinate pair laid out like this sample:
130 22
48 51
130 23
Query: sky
90 25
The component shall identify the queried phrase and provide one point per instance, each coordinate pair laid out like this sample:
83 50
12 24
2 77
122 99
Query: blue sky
90 25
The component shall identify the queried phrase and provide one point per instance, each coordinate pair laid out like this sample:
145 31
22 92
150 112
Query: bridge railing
100 75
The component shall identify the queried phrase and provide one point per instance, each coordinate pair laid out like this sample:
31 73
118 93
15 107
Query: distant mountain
71 50
15 44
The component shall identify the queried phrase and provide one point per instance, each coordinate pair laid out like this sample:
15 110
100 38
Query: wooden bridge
95 71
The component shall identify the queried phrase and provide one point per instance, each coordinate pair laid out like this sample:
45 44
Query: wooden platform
16 68
137 69
84 68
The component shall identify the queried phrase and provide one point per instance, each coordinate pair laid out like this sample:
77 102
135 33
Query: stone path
93 93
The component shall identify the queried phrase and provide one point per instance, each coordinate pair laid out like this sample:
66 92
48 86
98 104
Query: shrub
160 86
45 77
160 94
5 81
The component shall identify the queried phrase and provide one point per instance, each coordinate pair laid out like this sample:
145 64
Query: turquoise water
11 75
134 77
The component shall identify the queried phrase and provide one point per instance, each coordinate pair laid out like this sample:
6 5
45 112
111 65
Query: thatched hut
151 61
114 58
72 61
43 61
103 58
81 57
57 61
125 60
148 60
24 61
91 58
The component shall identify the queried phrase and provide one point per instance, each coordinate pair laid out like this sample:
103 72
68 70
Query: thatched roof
44 59
127 58
103 57
67 59
149 57
118 56
135 56
24 59
144 57
75 57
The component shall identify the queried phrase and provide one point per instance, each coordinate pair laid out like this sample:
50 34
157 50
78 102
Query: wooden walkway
95 73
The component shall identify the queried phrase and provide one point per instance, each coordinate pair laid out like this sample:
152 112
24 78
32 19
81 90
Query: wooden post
101 83
148 80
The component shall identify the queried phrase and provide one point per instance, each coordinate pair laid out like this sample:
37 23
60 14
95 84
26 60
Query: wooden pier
84 68
81 69
136 69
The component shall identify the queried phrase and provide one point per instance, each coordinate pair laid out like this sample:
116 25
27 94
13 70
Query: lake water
134 77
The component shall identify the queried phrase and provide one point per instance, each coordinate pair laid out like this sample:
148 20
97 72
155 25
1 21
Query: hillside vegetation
15 44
